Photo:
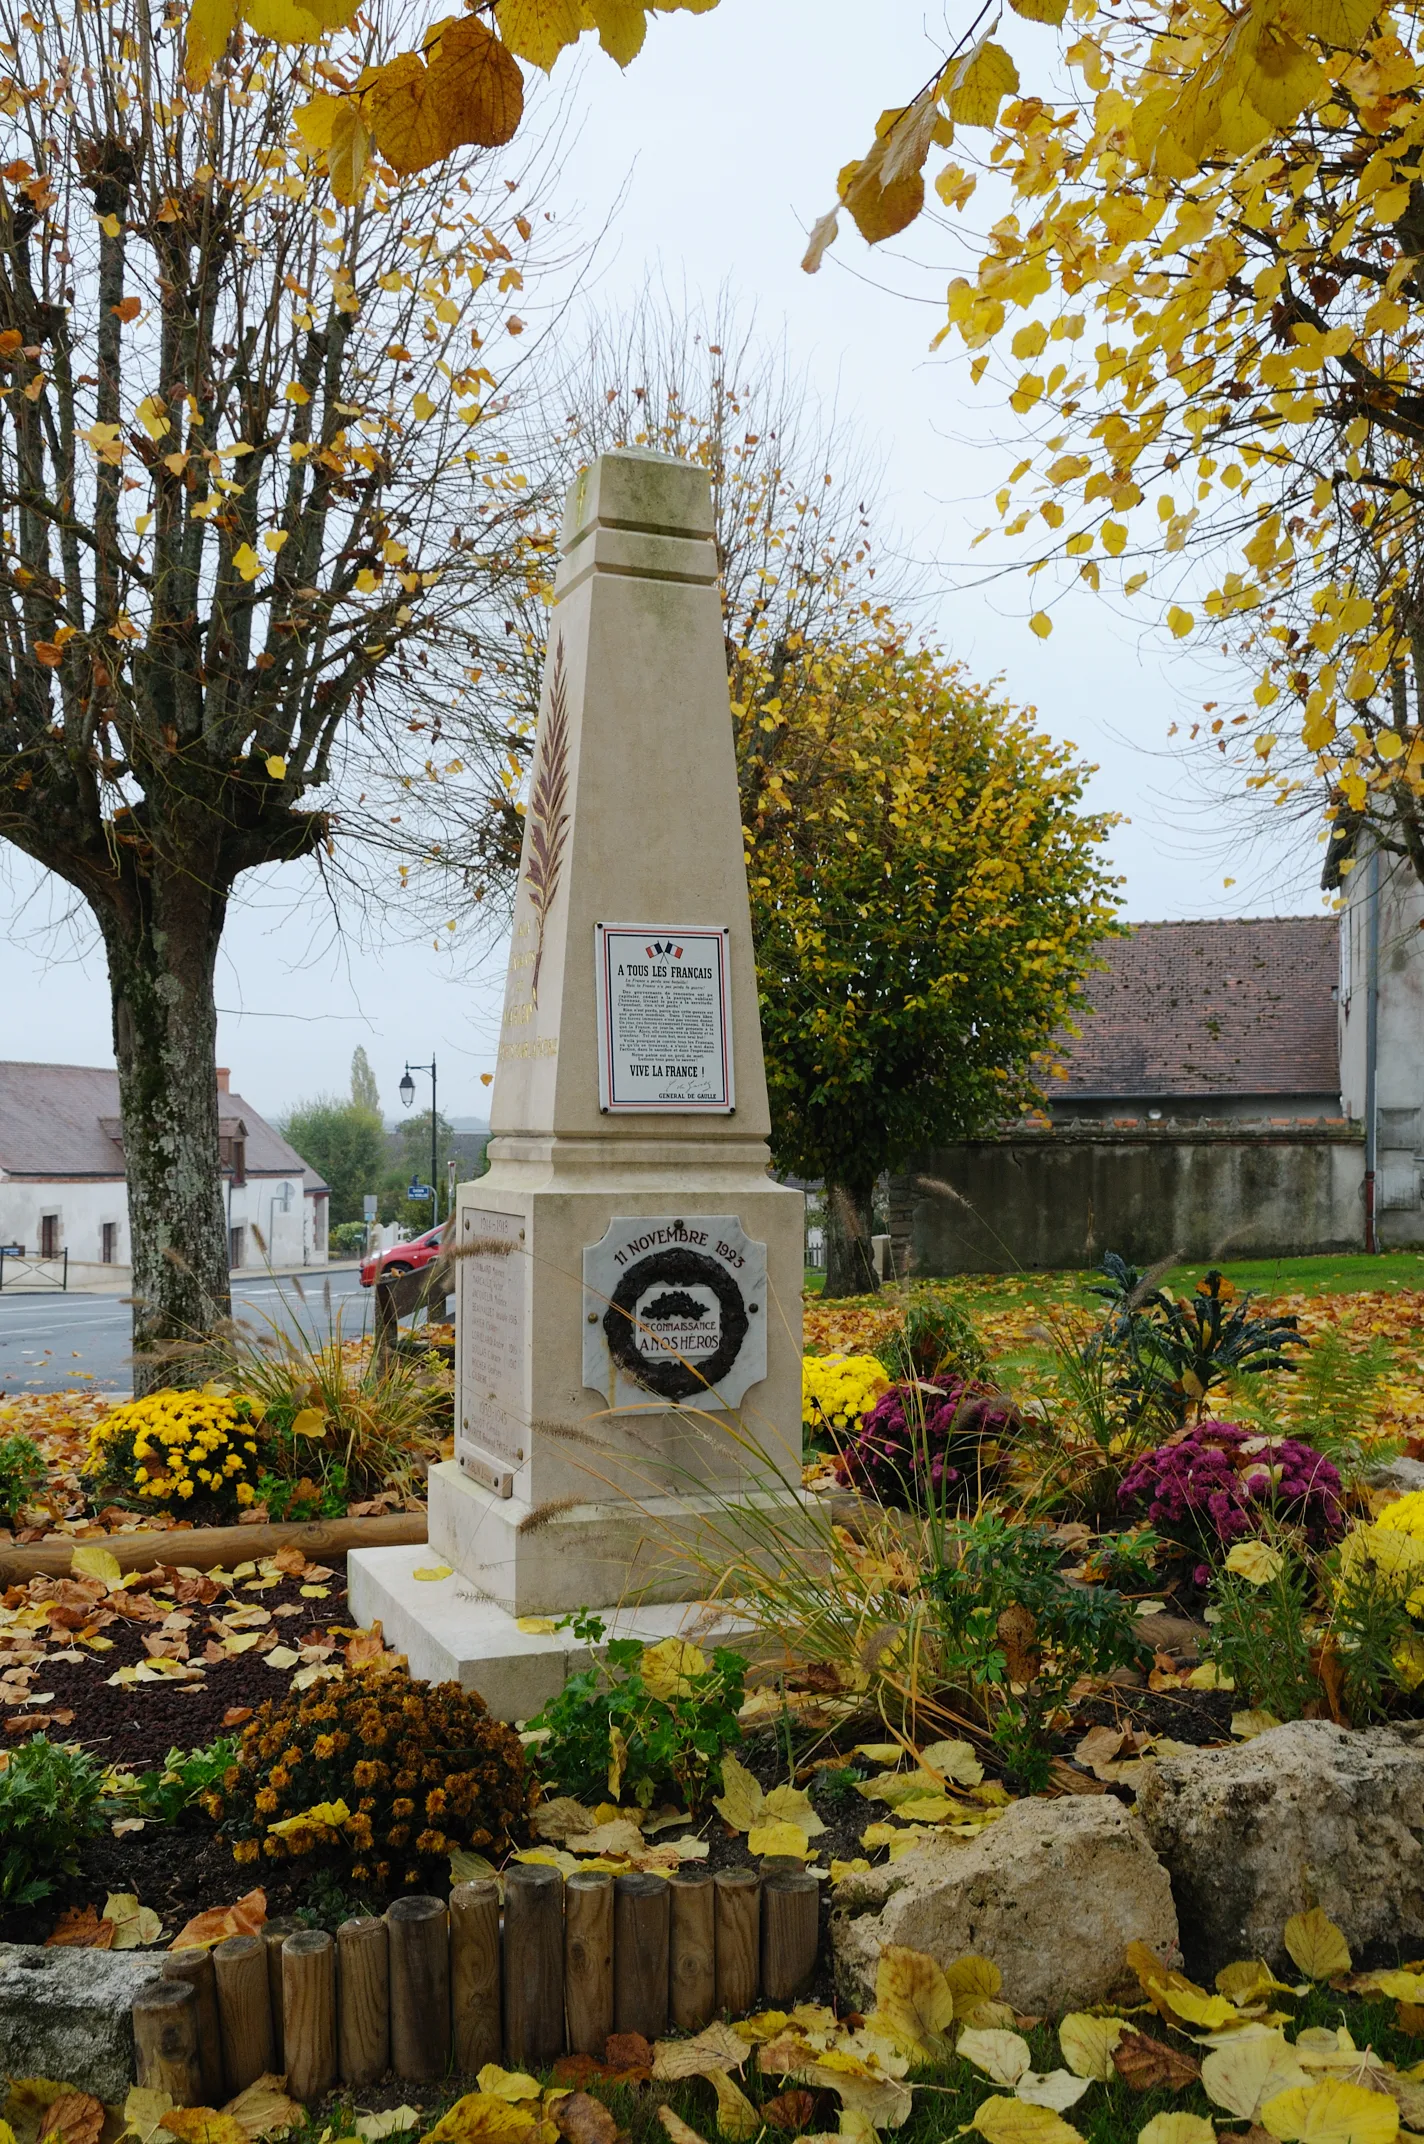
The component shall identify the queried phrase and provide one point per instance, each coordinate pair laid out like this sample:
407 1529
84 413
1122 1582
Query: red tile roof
1199 1009
58 1121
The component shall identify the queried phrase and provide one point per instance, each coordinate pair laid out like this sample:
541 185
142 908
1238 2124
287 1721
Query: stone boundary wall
1062 1196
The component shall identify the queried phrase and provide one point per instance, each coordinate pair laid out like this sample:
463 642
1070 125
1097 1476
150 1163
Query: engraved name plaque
491 1434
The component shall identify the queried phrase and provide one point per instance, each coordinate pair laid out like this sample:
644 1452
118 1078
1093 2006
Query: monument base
565 1556
450 1633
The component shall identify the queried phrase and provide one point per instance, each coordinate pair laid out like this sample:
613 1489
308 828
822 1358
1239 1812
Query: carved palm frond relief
548 809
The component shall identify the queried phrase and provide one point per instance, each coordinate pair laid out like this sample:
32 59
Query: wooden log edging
209 1548
428 1985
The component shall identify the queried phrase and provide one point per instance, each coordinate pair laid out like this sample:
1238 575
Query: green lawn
1349 1273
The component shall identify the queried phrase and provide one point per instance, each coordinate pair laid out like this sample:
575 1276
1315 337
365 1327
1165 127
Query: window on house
49 1235
236 1245
109 1243
239 1161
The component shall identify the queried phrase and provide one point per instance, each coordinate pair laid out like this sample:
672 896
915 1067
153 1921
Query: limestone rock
1307 1814
65 2014
1406 1475
1053 1893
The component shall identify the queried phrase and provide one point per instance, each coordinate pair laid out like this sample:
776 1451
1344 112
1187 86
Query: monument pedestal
628 1275
450 1633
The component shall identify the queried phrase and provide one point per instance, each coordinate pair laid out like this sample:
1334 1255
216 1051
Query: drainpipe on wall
1372 1052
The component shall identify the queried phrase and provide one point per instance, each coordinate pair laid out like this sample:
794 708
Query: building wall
1062 1198
294 1235
1400 1099
81 1207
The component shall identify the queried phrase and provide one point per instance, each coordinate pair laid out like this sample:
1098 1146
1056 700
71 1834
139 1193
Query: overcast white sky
727 133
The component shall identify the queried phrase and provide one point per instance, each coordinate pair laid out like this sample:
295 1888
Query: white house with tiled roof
62 1174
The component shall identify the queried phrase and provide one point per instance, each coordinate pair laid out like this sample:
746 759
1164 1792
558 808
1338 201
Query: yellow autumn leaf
367 582
348 154
778 1838
432 1571
1316 1945
422 407
1255 1561
1181 621
1088 2042
1049 11
737 2118
152 414
1004 2057
1041 624
513 2085
96 1563
914 2002
202 2125
539 30
792 1805
972 1980
666 1667
309 1421
974 86
274 540
1174 2127
1014 2121
536 1626
210 25
621 25
144 2110
327 1816
134 1925
1335 2111
740 1801
484 2118
1243 2075
276 766
247 562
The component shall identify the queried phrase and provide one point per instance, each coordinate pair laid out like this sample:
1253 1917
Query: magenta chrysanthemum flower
1218 1482
929 1444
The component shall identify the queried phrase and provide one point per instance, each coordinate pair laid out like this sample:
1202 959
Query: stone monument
628 1276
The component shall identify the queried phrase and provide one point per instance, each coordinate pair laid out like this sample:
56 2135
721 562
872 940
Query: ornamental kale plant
1218 1483
49 1805
647 1720
930 1446
1172 1352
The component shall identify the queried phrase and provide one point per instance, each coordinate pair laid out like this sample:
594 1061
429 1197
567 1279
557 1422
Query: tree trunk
850 1262
162 946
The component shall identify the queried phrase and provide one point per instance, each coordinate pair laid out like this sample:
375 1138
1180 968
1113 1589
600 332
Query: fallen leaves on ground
216 1923
1147 2064
1316 1945
582 2119
80 1928
203 2125
265 2108
73 2118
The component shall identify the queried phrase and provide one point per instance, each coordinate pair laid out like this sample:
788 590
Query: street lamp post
407 1095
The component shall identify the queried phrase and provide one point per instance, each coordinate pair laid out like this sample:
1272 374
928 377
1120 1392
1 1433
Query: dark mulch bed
180 1869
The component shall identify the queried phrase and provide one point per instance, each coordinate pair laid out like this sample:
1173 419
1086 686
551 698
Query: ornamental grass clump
1219 1483
930 1446
192 1452
383 1775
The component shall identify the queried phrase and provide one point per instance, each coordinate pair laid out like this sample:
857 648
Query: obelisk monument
628 1274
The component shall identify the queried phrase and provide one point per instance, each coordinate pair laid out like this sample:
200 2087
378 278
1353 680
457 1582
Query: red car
403 1257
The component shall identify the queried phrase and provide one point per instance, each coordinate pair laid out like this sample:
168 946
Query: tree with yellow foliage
927 895
248 517
1203 298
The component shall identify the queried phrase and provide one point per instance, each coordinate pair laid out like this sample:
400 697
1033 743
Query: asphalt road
49 1341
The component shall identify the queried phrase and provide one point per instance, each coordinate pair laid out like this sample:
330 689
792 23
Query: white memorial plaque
491 1278
674 1311
664 1018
